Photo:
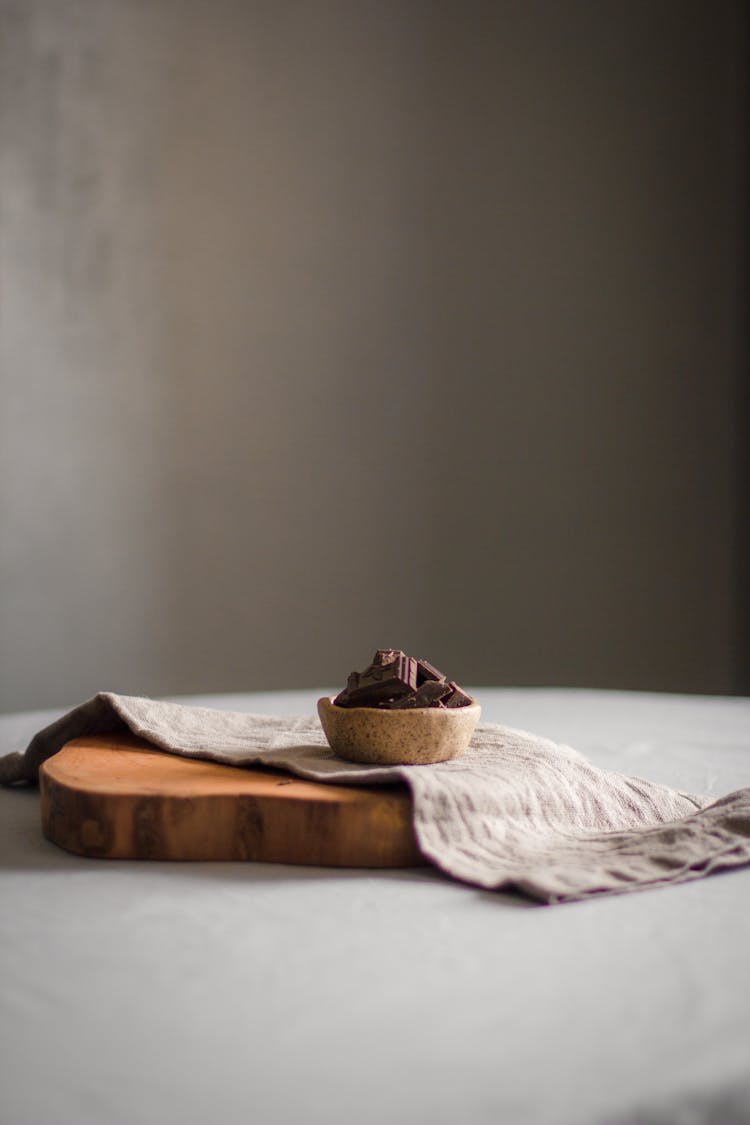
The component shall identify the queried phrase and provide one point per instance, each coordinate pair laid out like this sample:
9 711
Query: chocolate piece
402 668
352 682
431 692
457 697
382 682
405 703
427 671
427 694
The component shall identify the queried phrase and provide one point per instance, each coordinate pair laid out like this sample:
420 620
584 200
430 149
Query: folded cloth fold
516 811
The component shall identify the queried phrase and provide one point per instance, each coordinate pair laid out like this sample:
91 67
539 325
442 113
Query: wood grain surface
114 796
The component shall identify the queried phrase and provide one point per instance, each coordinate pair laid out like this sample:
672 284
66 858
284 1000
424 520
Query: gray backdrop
336 325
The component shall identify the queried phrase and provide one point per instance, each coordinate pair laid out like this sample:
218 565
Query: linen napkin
516 811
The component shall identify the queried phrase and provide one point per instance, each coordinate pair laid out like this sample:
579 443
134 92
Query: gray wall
331 325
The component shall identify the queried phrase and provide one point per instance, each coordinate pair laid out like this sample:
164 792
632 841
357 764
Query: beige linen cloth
514 812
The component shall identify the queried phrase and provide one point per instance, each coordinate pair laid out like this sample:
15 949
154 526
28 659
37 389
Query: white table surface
256 993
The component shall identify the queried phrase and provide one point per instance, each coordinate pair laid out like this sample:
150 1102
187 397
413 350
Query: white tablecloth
154 992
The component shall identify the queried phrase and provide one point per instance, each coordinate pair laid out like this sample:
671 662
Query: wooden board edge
369 833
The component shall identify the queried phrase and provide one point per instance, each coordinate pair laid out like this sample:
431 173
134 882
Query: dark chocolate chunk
383 682
352 683
431 692
457 697
427 671
405 703
427 694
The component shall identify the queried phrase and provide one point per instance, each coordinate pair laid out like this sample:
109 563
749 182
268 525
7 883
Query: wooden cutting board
114 796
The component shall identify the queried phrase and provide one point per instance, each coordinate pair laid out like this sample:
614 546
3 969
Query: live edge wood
115 797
